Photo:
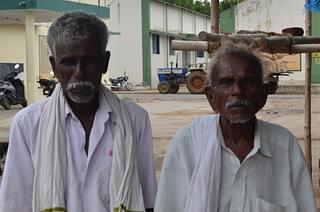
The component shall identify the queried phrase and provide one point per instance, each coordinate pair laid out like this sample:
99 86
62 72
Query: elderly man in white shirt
82 149
232 161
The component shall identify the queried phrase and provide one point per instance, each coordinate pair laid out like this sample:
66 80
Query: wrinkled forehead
70 43
236 64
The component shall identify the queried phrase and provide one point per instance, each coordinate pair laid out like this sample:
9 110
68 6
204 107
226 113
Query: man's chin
80 99
239 119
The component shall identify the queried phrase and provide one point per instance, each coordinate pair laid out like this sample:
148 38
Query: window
155 44
200 53
171 51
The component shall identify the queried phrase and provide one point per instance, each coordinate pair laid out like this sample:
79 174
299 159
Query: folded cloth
50 163
203 194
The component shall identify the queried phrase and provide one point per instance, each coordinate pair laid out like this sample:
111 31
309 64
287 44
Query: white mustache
238 103
74 85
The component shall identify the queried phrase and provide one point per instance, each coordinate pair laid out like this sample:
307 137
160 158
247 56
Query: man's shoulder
272 129
135 108
276 135
183 136
33 111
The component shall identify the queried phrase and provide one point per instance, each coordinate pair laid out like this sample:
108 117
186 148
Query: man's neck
85 113
84 109
239 137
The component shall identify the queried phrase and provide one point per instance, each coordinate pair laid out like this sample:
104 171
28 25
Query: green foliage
203 6
226 4
198 6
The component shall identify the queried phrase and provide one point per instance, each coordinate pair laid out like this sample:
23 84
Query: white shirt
87 183
273 178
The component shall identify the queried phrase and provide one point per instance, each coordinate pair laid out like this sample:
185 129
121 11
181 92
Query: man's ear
210 97
106 59
53 65
264 95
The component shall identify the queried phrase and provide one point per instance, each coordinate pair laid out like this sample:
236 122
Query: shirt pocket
266 206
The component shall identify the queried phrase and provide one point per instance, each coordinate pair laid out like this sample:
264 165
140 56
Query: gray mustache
74 85
238 103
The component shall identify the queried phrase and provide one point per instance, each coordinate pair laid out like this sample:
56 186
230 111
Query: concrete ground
172 111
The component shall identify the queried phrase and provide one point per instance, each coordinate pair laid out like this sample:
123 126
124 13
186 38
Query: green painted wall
55 5
315 74
146 57
227 20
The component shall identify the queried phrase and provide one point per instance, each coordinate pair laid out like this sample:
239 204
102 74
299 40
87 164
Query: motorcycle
3 152
121 83
47 86
12 91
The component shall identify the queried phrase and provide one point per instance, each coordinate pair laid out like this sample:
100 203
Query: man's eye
68 62
249 82
225 82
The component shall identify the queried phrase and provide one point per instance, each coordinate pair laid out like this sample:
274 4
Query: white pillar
30 71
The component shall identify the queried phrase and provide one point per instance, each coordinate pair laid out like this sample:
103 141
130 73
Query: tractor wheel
196 82
174 88
5 103
164 87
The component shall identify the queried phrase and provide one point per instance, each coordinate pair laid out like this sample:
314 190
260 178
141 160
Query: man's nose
237 88
79 69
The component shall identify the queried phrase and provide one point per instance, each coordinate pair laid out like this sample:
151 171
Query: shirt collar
104 108
259 144
264 144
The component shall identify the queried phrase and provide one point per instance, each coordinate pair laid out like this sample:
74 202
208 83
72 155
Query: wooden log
263 46
293 49
194 45
205 36
272 40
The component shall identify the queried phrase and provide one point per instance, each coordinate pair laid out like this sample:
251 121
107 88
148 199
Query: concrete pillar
30 73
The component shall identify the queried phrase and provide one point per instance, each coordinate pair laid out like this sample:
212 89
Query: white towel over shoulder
50 168
203 194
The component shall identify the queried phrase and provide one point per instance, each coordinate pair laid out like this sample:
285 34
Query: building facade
142 32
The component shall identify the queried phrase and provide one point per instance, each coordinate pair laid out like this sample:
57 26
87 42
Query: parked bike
47 86
12 90
121 83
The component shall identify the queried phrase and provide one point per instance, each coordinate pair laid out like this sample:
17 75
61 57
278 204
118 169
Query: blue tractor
171 78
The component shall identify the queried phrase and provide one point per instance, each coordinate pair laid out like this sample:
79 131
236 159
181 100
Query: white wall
200 23
272 15
157 16
188 23
173 19
13 44
126 47
92 2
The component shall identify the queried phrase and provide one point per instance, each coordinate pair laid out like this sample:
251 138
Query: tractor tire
164 87
196 82
174 88
5 103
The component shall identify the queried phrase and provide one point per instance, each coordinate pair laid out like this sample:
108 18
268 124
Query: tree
203 7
